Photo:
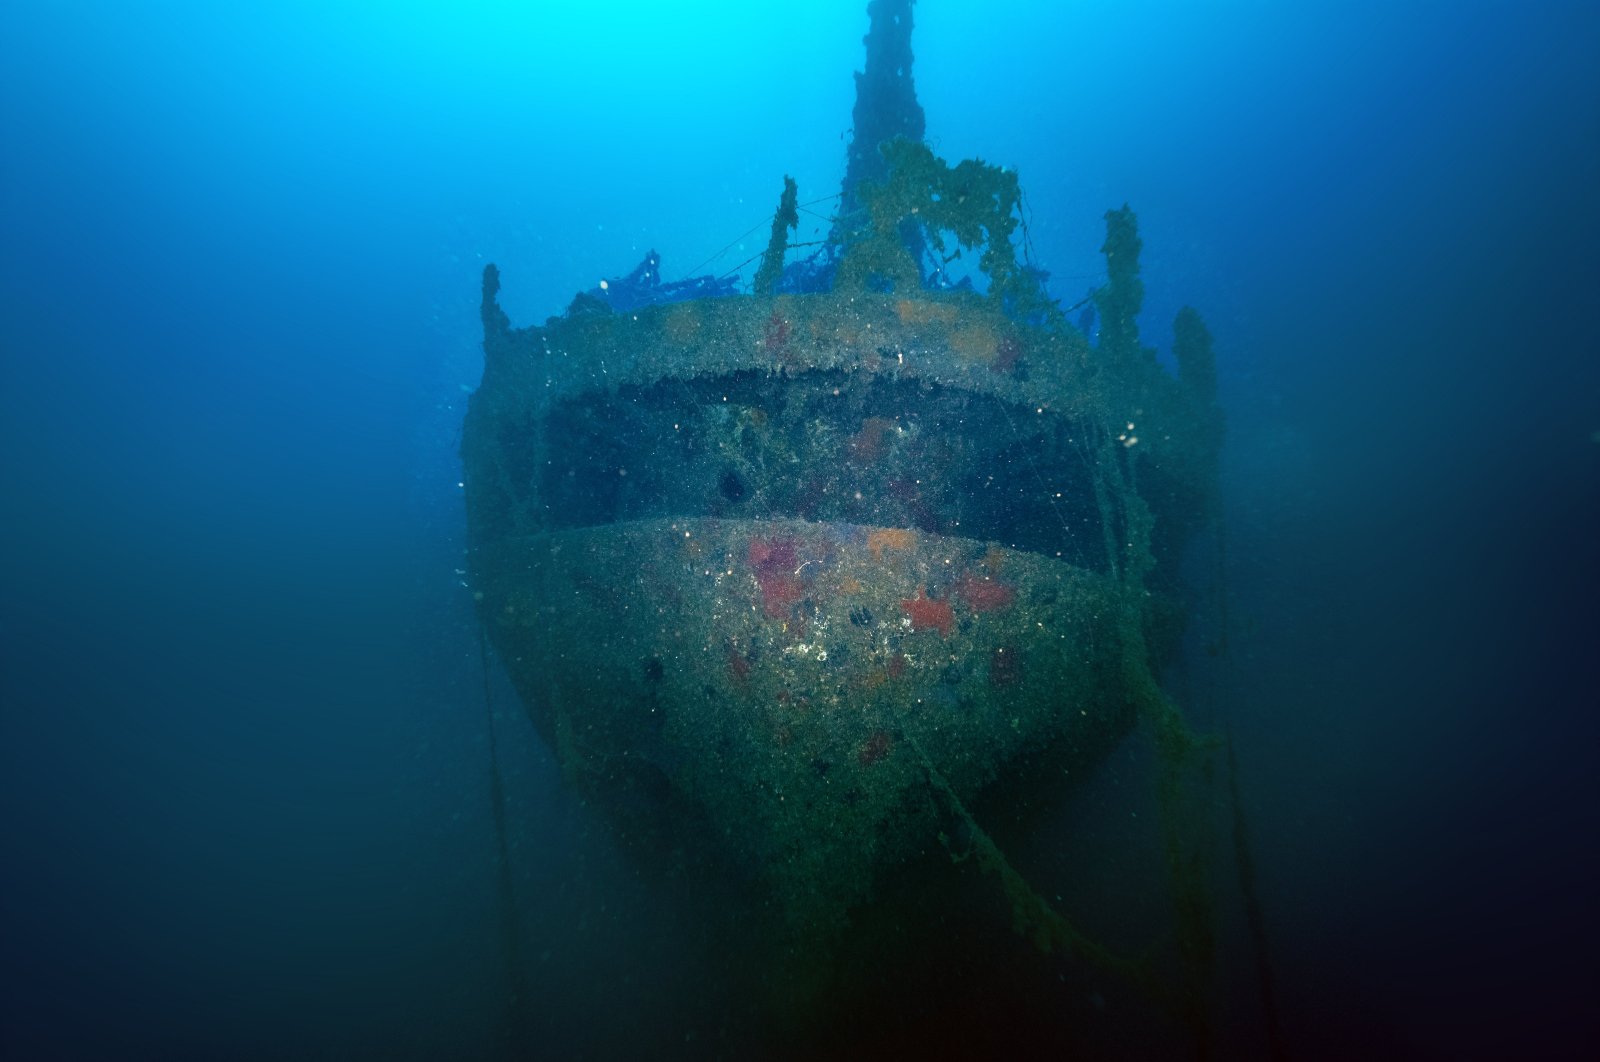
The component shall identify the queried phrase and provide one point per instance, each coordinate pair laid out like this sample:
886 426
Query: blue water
243 763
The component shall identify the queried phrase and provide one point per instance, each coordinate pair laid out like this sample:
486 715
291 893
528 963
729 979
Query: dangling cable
1255 920
516 983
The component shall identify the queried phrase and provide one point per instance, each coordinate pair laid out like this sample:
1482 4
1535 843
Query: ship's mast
886 103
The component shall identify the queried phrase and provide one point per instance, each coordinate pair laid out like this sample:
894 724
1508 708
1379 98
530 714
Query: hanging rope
1244 864
1031 915
747 232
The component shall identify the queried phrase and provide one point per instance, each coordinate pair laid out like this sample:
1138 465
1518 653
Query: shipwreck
795 575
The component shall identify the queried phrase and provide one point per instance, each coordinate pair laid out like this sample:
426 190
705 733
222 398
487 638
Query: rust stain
890 538
985 595
929 614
